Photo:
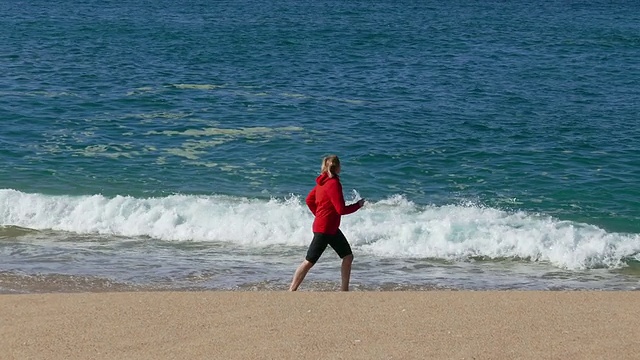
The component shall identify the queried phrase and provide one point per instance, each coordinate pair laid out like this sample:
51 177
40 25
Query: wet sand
328 325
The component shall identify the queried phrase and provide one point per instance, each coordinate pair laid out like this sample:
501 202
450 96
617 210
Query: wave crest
393 227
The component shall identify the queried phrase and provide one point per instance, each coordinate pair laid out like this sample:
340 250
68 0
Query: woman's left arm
311 201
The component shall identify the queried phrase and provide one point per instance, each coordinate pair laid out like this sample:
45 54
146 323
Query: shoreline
309 325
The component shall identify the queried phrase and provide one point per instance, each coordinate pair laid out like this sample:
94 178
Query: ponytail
330 164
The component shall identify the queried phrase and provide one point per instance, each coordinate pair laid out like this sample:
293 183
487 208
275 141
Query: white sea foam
393 227
197 86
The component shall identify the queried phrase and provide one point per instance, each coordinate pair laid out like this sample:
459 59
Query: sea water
170 145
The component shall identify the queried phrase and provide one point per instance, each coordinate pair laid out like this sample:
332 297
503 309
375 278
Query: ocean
170 145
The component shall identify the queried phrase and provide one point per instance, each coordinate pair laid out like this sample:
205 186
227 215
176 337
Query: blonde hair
330 164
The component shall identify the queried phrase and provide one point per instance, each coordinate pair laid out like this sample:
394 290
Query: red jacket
326 202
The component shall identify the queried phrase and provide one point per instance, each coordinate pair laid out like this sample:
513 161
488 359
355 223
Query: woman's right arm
337 199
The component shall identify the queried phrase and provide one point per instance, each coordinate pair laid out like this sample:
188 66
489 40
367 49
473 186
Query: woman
326 202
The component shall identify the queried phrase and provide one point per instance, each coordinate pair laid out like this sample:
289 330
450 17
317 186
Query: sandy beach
313 325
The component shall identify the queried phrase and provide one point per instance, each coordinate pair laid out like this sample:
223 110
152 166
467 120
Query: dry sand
321 325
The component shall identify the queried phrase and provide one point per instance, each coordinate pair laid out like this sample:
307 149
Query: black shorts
320 241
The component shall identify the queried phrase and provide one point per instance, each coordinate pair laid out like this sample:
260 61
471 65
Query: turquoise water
170 144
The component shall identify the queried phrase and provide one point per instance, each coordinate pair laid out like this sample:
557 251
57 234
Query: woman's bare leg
299 275
345 271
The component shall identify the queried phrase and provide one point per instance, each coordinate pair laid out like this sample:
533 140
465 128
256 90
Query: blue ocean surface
170 145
